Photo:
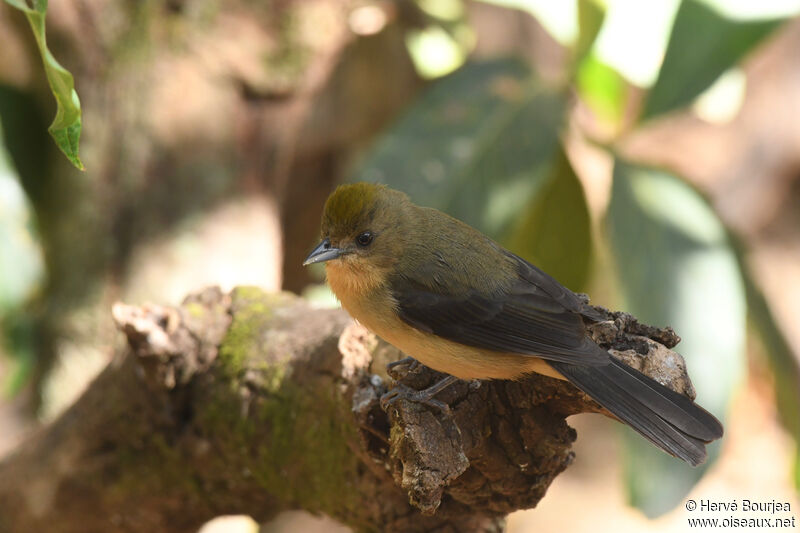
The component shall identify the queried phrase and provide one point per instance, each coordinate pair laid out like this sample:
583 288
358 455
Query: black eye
364 239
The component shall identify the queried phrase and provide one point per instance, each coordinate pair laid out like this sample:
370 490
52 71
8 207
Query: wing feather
535 316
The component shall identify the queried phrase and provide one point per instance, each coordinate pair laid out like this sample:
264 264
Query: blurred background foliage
642 152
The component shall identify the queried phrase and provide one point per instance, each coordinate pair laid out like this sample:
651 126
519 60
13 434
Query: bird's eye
364 239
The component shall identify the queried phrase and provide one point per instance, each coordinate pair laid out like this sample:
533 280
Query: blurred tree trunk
254 403
186 105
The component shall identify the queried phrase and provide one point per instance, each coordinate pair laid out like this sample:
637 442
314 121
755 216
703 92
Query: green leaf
555 231
477 144
702 46
66 127
591 15
602 88
676 267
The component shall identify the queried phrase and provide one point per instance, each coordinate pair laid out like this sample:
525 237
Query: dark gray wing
536 316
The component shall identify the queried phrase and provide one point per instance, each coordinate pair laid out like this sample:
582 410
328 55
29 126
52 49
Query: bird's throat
351 280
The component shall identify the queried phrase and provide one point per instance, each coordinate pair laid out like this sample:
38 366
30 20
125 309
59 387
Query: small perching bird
453 299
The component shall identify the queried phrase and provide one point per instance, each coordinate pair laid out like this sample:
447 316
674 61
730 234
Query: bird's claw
404 392
408 362
425 397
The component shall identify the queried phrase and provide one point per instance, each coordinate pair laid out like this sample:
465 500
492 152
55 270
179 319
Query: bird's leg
409 361
400 362
425 396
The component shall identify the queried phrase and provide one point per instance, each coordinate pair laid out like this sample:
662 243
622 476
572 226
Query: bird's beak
323 252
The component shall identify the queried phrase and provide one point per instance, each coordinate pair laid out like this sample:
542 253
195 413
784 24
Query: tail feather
666 418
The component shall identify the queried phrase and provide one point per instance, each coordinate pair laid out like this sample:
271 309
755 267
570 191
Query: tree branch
254 403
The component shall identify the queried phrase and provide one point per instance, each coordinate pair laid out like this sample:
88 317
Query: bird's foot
425 396
404 392
410 363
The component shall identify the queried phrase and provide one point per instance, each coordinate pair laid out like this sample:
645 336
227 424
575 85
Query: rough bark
255 403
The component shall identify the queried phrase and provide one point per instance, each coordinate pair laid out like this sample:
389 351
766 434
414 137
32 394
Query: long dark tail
666 418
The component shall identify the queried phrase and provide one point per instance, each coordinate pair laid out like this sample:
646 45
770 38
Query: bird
454 300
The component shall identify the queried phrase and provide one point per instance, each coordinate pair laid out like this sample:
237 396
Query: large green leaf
477 144
66 127
703 45
676 268
554 232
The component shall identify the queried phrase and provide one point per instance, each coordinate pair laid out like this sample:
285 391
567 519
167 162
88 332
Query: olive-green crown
350 206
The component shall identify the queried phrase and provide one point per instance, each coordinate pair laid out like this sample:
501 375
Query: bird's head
362 228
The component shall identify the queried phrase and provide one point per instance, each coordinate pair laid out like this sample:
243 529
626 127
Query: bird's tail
666 418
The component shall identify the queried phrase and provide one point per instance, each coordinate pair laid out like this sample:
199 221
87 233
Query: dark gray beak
323 252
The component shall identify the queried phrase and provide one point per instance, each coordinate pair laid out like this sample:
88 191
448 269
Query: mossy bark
254 403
